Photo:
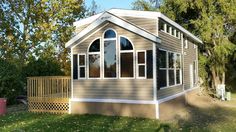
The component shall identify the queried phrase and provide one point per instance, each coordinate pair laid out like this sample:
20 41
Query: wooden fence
49 94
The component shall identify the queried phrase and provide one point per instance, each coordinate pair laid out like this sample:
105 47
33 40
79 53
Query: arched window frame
126 51
92 53
102 53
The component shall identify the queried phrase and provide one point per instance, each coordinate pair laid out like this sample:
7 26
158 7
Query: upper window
110 54
94 59
95 46
141 64
125 44
126 58
161 26
109 34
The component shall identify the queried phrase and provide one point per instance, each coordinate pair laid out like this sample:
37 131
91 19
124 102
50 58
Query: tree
213 21
27 26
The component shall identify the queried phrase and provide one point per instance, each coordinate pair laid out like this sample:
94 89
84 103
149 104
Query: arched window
126 58
94 59
110 63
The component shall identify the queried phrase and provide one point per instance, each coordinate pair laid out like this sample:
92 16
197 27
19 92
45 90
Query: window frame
85 66
126 51
102 53
143 64
94 53
167 69
186 43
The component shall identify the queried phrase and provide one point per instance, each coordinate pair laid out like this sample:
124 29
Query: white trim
113 101
103 55
69 111
126 51
182 49
85 66
154 72
72 74
91 53
142 64
86 20
106 16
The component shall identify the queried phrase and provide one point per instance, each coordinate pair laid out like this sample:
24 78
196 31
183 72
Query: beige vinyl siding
80 28
131 89
165 92
145 23
169 43
189 57
139 42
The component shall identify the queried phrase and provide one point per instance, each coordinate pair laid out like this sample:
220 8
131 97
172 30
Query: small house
131 63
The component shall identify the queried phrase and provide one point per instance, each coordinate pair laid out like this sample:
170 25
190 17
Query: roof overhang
108 17
141 14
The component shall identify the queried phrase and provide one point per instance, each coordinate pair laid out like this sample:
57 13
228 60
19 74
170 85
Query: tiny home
131 63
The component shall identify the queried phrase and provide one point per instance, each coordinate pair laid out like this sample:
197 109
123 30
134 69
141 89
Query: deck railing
49 94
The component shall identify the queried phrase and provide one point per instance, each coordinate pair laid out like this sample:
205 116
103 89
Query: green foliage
10 81
42 67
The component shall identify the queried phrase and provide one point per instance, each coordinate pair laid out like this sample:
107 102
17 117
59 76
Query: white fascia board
109 17
113 101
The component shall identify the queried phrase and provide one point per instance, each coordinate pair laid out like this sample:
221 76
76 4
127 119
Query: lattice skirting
49 105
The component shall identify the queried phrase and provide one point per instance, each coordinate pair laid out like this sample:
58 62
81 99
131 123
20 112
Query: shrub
10 81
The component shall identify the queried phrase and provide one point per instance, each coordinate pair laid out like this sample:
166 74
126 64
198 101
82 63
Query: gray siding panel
189 57
145 23
165 92
132 89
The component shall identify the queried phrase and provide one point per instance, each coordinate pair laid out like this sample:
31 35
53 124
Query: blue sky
107 4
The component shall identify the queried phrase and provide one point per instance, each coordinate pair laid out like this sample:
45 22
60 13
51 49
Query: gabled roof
97 20
141 14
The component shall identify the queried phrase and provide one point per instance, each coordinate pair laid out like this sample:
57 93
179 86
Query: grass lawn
216 117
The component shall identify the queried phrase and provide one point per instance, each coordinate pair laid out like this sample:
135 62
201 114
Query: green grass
24 121
214 119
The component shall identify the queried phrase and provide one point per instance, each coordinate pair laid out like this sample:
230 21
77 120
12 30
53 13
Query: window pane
75 66
161 26
82 72
126 65
173 31
141 57
109 34
162 59
125 44
178 76
110 58
149 64
162 78
177 34
171 60
95 46
178 64
81 60
171 77
94 66
141 71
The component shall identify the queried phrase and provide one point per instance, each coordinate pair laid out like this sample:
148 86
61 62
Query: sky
107 4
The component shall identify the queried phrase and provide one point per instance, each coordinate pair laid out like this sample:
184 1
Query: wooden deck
49 94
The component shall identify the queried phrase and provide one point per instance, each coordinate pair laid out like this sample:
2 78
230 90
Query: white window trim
81 78
102 52
143 64
91 53
186 43
126 51
167 70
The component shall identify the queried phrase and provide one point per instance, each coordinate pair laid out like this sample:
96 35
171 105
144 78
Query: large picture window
169 69
94 59
126 58
110 54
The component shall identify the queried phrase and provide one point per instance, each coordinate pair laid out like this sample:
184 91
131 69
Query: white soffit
118 21
141 14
